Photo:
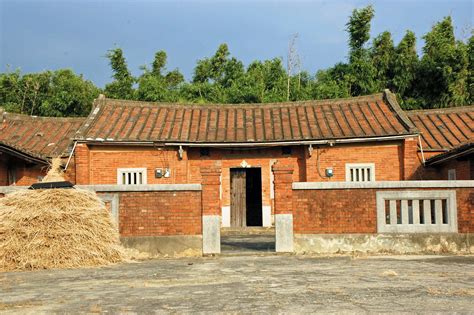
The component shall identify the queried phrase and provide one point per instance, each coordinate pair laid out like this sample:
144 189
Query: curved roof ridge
16 116
366 117
466 108
362 98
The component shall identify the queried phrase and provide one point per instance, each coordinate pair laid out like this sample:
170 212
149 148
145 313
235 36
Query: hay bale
56 228
55 172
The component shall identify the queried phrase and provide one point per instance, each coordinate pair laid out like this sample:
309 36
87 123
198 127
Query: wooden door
238 208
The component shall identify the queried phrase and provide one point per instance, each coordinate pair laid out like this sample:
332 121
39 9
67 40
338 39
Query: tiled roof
463 150
444 129
360 117
40 137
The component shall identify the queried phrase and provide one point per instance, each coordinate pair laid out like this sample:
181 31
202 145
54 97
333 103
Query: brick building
174 174
28 143
359 139
447 142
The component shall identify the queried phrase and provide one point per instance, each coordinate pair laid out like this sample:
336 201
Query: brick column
410 158
283 180
211 210
82 164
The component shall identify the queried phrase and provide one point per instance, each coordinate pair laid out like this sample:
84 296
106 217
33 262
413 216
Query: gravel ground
249 284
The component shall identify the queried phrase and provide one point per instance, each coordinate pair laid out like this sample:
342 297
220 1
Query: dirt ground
249 284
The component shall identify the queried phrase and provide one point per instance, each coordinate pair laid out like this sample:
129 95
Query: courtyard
249 283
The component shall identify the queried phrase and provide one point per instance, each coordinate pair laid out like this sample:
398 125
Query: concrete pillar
82 164
283 180
211 210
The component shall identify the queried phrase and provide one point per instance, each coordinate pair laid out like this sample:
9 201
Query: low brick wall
342 217
159 219
334 208
159 213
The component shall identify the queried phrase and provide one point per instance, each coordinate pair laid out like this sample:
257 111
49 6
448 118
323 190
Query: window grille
360 172
131 176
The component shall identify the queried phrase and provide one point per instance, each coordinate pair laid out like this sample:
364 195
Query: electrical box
162 172
158 173
329 172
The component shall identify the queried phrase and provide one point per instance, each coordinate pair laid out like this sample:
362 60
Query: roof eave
250 143
457 152
22 154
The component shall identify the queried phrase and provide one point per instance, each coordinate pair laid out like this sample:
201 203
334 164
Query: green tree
382 54
363 72
157 85
333 82
404 68
471 69
443 76
122 86
49 93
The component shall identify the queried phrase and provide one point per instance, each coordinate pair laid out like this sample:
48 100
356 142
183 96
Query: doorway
245 197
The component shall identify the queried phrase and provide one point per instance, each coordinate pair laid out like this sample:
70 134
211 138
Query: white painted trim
404 196
267 216
151 187
120 188
385 184
226 216
142 170
100 141
114 205
371 166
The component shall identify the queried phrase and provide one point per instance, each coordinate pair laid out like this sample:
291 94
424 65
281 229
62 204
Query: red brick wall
27 175
465 203
354 210
463 169
104 162
387 157
160 213
334 211
98 164
211 204
262 158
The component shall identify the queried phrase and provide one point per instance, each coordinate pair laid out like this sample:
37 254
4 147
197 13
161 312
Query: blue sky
39 35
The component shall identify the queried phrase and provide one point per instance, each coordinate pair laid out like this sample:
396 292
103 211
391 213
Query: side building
27 144
447 142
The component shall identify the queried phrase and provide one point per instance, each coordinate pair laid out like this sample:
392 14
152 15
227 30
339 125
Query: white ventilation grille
417 211
131 176
360 172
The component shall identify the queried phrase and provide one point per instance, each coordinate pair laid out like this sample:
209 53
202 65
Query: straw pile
56 228
55 172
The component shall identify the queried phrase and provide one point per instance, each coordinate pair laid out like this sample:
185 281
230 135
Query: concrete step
249 244
258 230
246 253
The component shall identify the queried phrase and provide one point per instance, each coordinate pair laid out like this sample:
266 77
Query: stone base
284 242
177 245
211 234
384 243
